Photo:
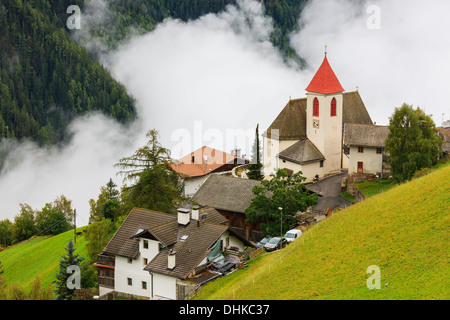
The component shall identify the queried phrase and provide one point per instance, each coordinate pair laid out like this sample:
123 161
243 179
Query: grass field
403 231
37 257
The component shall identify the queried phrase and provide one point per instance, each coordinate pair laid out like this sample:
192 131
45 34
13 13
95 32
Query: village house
155 255
364 145
196 167
230 196
307 135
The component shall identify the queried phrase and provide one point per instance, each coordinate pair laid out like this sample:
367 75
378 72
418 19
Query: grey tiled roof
122 243
365 135
291 122
226 193
302 152
190 253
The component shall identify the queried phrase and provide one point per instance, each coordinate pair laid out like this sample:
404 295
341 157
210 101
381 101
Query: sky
212 80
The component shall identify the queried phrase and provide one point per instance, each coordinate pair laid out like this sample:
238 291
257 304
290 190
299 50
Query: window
333 108
145 261
144 285
360 149
130 261
321 163
130 281
161 246
316 107
145 245
379 150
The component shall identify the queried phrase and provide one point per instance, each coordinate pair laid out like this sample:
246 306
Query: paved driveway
330 191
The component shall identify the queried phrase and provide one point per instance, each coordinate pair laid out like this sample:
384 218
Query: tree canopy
155 185
413 142
277 202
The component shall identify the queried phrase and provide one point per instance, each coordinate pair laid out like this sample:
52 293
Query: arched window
333 107
316 107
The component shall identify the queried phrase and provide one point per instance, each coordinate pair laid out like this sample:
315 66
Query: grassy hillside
404 231
37 257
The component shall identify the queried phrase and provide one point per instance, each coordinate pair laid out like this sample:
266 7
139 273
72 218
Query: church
307 135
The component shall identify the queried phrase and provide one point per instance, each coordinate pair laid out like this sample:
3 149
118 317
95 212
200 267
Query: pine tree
255 165
62 291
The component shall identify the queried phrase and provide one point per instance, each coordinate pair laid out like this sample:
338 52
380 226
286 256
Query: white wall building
307 134
152 253
365 148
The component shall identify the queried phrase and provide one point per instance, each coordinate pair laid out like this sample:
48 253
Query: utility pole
75 225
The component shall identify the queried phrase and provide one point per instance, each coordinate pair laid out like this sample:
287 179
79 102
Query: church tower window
316 107
333 108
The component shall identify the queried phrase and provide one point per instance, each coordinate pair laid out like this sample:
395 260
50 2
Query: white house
153 253
307 134
364 145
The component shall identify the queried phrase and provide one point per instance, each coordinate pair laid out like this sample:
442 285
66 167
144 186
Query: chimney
184 216
237 152
171 260
195 212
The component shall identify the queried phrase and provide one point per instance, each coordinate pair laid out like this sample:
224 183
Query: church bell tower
324 111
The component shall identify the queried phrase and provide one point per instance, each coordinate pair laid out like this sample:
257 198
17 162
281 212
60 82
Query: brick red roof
195 165
325 81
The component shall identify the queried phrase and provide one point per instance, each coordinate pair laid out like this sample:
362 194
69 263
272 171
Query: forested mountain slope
46 79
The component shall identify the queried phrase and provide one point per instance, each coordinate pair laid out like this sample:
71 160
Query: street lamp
281 221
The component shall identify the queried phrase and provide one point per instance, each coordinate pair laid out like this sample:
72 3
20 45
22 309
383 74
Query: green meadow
37 257
404 231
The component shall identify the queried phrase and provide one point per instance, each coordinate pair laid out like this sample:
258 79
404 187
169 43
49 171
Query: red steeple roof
325 81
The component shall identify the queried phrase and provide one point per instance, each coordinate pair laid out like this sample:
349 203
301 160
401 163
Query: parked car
293 234
263 241
275 244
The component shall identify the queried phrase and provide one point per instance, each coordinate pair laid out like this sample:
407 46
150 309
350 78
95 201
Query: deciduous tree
282 191
413 142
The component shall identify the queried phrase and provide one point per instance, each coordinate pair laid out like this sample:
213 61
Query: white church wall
309 170
272 147
326 134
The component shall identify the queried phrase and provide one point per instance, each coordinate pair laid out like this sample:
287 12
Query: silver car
275 243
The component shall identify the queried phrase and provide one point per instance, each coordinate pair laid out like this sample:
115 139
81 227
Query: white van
293 234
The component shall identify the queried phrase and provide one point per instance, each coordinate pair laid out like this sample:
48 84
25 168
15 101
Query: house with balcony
160 256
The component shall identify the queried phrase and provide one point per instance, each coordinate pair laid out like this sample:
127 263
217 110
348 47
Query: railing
106 260
255 253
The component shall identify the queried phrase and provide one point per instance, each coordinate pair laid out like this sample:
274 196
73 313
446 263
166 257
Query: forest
47 79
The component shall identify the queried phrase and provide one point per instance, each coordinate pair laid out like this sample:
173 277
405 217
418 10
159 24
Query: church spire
325 80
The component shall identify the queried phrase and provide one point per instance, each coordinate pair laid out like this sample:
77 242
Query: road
330 191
